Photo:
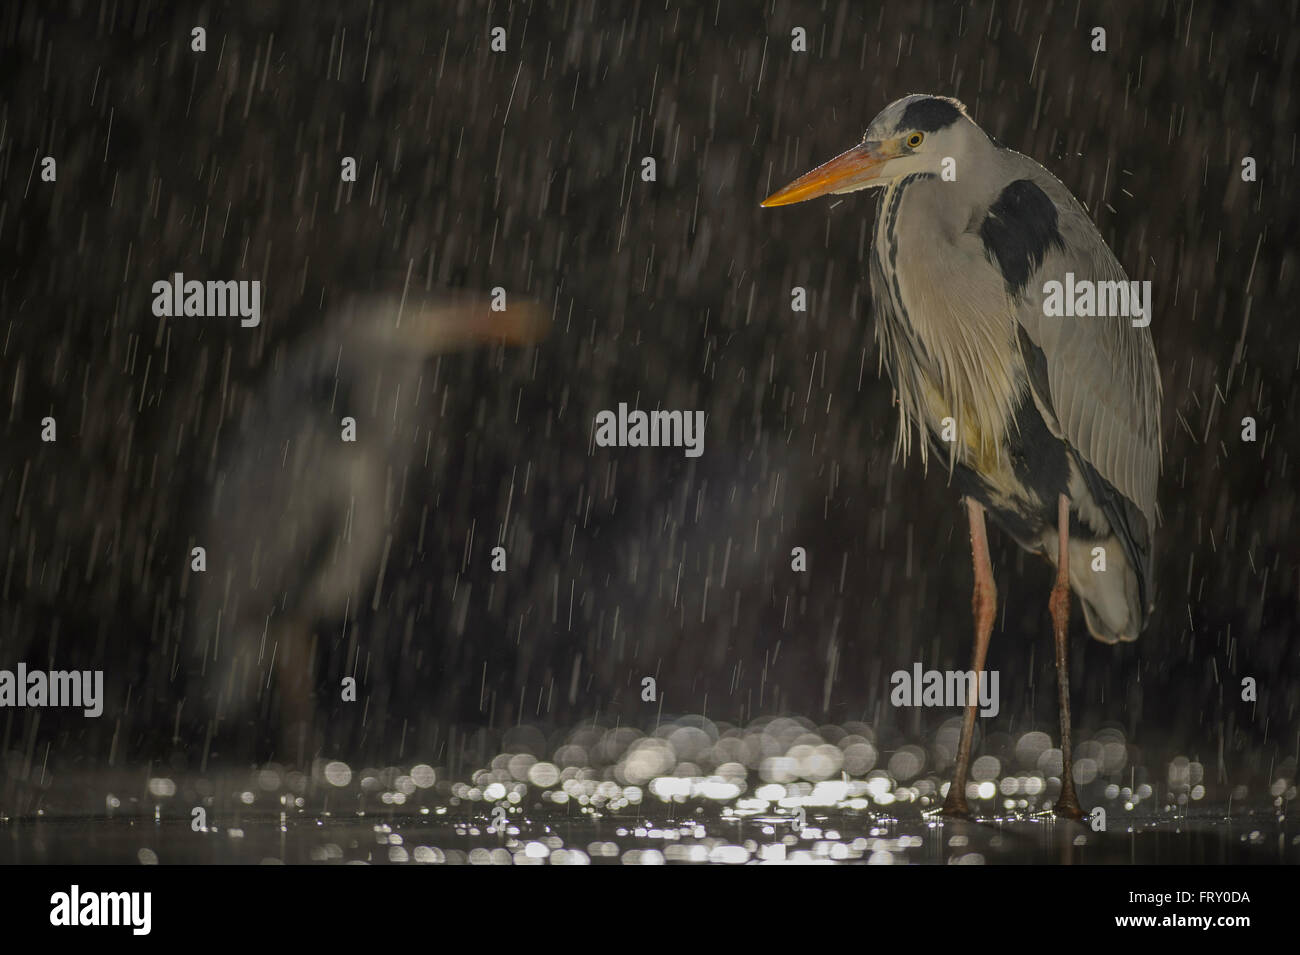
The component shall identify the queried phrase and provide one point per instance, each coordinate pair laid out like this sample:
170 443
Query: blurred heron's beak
523 324
445 322
849 171
471 320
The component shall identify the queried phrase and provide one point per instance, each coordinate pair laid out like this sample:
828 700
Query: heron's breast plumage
948 352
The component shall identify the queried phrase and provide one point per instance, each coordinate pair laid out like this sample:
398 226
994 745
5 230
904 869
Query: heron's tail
1111 600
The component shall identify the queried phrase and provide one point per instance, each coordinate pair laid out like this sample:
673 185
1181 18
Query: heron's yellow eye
915 140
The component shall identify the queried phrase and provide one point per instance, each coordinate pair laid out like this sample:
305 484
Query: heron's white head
912 135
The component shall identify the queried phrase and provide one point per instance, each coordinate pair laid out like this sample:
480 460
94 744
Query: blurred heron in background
1054 422
299 520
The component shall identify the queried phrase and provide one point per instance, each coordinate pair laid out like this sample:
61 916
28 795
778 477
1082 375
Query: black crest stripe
928 115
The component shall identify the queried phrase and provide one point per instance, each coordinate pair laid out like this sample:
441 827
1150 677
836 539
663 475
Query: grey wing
1094 380
1102 380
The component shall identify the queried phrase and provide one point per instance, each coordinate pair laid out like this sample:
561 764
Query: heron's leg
295 659
984 603
1068 804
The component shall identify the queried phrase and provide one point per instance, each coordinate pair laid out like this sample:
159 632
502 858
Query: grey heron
300 516
1052 422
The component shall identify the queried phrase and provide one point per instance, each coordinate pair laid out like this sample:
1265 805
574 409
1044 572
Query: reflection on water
692 791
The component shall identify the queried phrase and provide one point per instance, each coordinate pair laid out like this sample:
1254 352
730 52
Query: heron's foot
955 807
1067 807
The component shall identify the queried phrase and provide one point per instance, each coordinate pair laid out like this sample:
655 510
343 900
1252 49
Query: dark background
521 169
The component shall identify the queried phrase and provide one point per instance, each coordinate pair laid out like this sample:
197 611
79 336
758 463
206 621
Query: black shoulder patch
928 115
1018 232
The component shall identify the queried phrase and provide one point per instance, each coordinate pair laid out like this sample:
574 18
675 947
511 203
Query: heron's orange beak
848 171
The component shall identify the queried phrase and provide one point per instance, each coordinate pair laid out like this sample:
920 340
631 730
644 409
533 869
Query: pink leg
1068 805
984 603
